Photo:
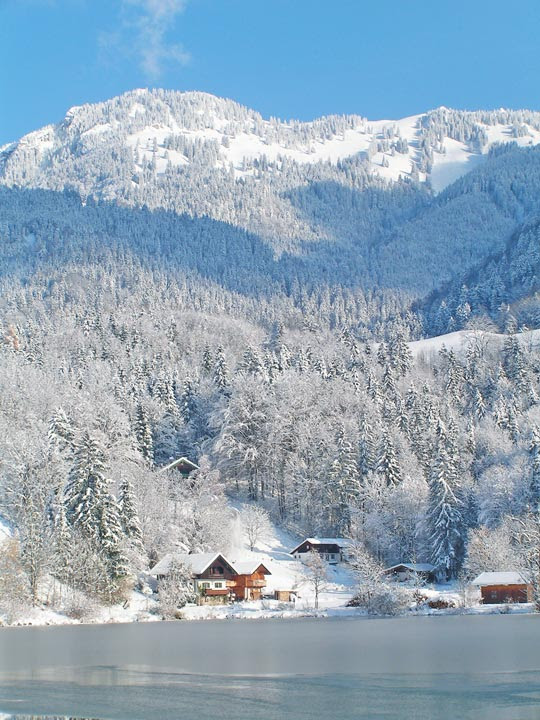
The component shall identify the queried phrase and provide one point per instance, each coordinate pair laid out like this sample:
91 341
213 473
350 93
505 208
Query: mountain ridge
437 146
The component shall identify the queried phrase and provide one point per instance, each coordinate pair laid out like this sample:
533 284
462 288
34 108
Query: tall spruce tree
446 528
143 433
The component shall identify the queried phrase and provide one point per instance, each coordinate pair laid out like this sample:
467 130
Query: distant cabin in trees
503 587
333 550
404 572
182 465
217 581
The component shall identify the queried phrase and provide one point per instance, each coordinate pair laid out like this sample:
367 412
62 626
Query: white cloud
143 34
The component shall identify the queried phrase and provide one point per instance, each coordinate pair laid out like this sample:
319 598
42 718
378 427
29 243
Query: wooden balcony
256 583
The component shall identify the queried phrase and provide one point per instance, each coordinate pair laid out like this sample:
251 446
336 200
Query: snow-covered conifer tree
445 520
143 433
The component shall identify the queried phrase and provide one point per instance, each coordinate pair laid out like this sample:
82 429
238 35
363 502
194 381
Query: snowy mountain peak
151 133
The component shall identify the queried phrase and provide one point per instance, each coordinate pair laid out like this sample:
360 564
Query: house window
205 585
218 585
216 571
332 556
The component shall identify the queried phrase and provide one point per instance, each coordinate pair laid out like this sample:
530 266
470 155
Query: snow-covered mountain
405 206
162 131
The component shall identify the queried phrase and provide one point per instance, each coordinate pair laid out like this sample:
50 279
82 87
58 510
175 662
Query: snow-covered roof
414 567
179 461
342 542
248 567
198 562
500 578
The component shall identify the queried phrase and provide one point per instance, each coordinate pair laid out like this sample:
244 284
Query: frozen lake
428 668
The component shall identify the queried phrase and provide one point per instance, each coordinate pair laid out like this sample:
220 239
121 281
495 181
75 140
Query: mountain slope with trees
257 320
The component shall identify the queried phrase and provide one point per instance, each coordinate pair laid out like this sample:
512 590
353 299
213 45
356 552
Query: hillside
288 321
403 206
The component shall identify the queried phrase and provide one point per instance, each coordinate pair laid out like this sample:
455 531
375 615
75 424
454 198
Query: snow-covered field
461 339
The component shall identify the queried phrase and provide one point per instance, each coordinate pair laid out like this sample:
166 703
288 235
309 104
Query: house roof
198 562
177 462
342 542
413 567
500 578
248 567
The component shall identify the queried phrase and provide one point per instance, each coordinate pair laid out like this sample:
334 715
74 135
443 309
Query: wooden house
333 550
405 572
213 576
182 465
250 581
503 587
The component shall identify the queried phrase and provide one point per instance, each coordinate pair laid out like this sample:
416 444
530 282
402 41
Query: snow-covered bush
176 590
382 599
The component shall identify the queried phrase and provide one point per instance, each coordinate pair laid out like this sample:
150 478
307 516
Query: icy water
428 668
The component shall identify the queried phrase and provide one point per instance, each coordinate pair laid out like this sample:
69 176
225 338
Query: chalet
333 550
503 587
404 572
182 465
250 581
215 579
213 576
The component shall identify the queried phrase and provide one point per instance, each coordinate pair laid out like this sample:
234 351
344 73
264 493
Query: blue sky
288 58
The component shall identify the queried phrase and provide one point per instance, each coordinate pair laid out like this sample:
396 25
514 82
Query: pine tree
61 432
143 434
444 516
221 372
62 540
534 454
344 482
479 406
129 516
188 404
207 361
387 462
111 538
366 447
90 507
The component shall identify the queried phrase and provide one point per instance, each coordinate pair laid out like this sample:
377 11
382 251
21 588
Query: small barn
333 550
503 587
405 572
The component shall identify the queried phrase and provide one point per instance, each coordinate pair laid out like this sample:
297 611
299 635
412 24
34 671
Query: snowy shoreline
43 617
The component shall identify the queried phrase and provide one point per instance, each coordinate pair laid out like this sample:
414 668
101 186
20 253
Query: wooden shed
503 587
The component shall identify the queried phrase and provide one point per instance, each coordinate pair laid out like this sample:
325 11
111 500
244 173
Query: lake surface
430 668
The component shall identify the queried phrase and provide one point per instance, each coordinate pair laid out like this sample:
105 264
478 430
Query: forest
272 349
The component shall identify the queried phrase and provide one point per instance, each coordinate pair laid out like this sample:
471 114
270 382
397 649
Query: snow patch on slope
462 339
244 140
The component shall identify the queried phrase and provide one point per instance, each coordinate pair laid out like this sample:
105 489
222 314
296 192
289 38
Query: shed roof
500 578
413 567
177 462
